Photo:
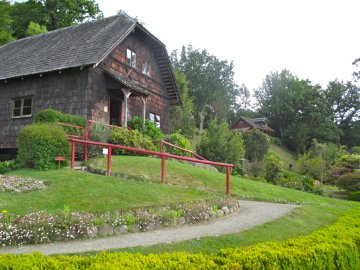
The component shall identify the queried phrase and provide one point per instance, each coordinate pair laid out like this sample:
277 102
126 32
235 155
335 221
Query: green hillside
138 185
286 155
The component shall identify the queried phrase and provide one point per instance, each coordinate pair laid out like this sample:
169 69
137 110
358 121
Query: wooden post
72 155
108 171
86 145
127 94
163 169
143 99
228 172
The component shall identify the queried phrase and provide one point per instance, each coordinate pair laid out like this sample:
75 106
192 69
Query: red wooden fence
163 156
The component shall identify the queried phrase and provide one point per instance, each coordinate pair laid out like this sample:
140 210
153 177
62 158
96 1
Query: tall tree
5 22
182 117
35 29
344 101
53 14
211 82
297 110
276 99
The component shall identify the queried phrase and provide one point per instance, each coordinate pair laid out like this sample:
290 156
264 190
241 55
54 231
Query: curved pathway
250 214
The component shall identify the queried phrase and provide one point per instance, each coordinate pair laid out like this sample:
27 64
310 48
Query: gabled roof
77 46
255 123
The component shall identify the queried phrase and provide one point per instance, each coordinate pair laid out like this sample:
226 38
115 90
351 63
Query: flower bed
40 227
333 247
19 184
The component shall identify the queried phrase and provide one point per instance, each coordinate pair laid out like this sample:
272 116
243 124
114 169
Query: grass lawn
89 192
82 191
286 156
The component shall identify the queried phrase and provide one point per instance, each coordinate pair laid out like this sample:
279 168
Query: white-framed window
155 119
146 68
21 107
131 58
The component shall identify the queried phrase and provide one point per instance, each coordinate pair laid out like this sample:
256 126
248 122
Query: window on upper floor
155 119
146 68
131 58
21 107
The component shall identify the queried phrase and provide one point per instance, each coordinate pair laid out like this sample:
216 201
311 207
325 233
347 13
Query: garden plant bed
40 227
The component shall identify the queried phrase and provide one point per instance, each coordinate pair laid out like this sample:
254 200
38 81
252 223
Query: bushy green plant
346 172
150 130
131 138
7 165
296 181
256 145
39 144
354 196
349 181
274 167
222 144
180 141
99 133
54 116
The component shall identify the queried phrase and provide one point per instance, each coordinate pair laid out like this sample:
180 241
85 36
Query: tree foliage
182 117
5 22
221 144
256 145
211 82
53 14
297 110
35 29
274 168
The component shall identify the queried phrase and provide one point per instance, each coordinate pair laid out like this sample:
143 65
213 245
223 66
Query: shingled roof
77 46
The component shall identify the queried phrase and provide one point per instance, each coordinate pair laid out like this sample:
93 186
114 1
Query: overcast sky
314 39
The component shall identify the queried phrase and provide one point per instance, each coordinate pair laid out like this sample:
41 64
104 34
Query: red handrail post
86 146
108 172
72 162
161 146
163 169
228 172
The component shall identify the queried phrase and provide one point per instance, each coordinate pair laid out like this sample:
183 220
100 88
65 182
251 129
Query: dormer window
131 58
146 68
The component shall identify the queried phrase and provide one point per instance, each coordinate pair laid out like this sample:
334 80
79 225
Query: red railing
162 155
192 153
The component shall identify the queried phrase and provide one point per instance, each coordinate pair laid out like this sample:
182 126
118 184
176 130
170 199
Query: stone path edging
250 214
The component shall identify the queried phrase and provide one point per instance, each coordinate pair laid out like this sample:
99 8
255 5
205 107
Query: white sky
314 39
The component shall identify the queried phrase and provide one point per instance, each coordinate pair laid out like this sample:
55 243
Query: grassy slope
287 156
90 192
84 191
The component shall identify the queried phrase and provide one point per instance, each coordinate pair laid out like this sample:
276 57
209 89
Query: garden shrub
54 116
274 167
354 196
7 165
130 138
349 181
221 144
39 144
296 181
99 133
256 145
180 141
151 130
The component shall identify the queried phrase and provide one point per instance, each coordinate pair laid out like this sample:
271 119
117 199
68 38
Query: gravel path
249 215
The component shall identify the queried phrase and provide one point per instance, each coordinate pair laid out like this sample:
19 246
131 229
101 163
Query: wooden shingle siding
63 92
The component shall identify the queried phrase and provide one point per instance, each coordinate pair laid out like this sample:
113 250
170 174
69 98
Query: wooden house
262 124
105 70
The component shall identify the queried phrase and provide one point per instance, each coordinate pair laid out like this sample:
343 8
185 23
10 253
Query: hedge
333 247
39 144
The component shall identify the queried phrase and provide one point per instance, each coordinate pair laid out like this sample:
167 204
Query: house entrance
115 111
